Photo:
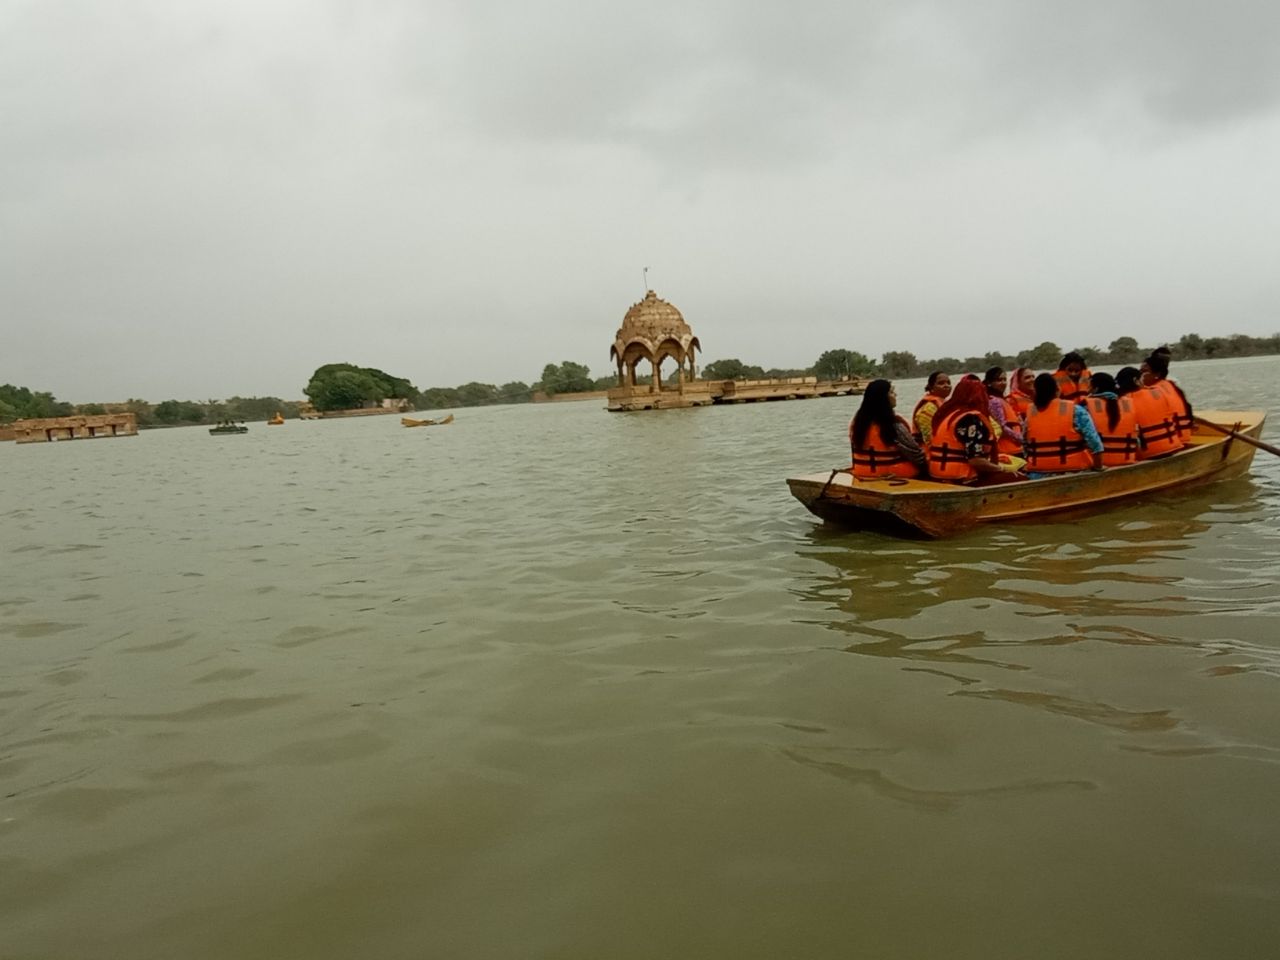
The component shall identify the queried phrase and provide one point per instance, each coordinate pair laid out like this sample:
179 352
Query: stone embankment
700 393
86 427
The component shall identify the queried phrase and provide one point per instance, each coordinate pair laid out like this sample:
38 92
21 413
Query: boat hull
410 422
931 509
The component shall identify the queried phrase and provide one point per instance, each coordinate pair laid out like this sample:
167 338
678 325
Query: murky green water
550 682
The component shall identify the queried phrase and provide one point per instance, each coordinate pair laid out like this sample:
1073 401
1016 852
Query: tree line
20 403
902 364
341 386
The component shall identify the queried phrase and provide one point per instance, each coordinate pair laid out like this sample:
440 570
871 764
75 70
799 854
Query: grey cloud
770 77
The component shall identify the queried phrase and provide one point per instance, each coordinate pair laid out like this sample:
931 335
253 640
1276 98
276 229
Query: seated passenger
1061 437
1021 388
881 441
1157 432
1072 378
936 389
1009 437
1115 420
1128 379
1155 376
962 447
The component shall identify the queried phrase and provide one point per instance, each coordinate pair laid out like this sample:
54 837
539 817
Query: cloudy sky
203 199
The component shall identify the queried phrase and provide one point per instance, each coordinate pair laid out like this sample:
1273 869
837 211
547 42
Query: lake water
551 682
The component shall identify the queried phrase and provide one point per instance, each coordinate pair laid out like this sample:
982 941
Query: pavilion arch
654 330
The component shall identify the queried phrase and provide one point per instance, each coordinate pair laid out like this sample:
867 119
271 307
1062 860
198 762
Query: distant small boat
276 420
410 422
227 427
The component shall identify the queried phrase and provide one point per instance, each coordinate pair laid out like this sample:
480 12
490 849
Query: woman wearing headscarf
1009 436
1021 387
963 445
880 441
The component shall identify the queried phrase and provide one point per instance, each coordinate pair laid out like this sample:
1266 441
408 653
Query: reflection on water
558 683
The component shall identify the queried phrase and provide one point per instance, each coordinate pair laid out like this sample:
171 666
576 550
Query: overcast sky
203 199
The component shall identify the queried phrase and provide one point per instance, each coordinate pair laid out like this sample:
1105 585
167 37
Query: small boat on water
228 427
1221 447
410 422
276 420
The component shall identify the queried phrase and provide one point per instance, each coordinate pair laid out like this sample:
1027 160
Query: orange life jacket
1119 446
1008 444
1157 432
1054 445
1182 421
875 458
1073 390
1021 403
947 459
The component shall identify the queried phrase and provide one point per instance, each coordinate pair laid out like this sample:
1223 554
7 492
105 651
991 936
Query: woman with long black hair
1060 435
880 440
1116 421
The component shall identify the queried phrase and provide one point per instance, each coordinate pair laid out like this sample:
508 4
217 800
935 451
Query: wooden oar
1239 436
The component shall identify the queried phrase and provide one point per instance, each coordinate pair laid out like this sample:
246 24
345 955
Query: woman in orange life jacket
1009 436
1021 387
881 441
1072 378
1155 376
962 448
1115 420
1061 437
1157 432
936 389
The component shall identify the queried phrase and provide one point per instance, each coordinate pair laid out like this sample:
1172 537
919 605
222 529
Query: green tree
20 403
945 364
842 365
567 377
1124 350
731 369
1044 357
899 363
259 408
344 386
141 410
1190 346
178 411
477 394
515 392
439 398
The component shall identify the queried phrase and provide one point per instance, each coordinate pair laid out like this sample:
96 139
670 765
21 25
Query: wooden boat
932 509
228 427
410 422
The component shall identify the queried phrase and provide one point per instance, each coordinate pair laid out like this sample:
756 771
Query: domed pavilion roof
649 324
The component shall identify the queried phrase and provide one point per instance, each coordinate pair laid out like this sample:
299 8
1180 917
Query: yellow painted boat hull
410 422
932 509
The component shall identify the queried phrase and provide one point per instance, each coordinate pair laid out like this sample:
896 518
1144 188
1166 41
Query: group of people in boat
1022 425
